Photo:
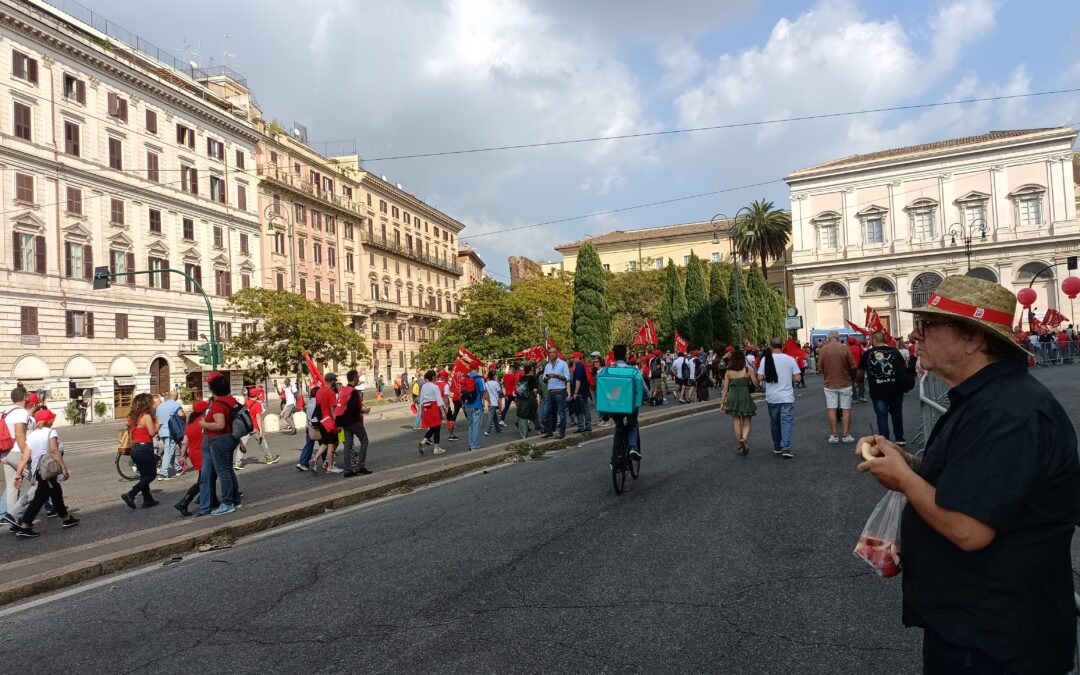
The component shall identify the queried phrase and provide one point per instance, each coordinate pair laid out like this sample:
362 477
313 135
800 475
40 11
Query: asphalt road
712 562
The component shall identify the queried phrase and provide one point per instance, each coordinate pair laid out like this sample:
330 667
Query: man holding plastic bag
992 504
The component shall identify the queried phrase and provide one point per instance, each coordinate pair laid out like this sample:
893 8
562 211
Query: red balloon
1027 297
1071 287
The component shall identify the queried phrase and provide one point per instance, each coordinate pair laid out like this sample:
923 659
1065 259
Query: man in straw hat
992 503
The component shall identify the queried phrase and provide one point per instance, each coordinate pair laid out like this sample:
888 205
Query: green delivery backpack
616 391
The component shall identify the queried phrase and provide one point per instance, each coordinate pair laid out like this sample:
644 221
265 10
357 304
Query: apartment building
472 266
112 155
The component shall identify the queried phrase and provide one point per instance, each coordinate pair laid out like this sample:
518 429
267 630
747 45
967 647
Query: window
215 148
118 107
217 189
222 330
116 211
79 324
239 158
152 163
28 321
161 279
316 253
832 290
923 287
188 229
686 260
631 266
116 154
279 243
273 157
371 259
331 256
318 289
974 213
879 285
316 220
241 197
151 121
331 227
829 235
382 206
189 179
185 136
195 272
155 220
301 214
1030 211
348 262
24 67
78 261
24 188
193 329
348 231
244 243
347 192
245 280
219 237
369 200
875 230
121 326
328 185
301 248
222 283
279 278
303 287
120 262
159 328
74 201
922 224
659 264
394 212
22 121
607 267
74 89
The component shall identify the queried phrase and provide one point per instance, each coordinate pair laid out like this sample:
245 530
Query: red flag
645 336
792 349
862 331
681 345
551 345
468 356
316 376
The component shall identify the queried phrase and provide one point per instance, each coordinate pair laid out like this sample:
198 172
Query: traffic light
101 278
1071 261
204 353
219 353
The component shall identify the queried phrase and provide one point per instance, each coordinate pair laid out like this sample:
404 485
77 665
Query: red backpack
7 441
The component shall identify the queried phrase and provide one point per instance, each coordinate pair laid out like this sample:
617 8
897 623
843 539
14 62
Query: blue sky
417 76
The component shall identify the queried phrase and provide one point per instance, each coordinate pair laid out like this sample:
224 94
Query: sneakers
27 533
10 520
848 439
335 470
436 451
634 453
301 467
272 459
776 451
901 443
786 454
223 509
164 476
129 500
452 438
834 439
238 466
69 523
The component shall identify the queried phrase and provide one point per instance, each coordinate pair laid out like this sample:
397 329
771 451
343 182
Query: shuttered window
121 326
152 163
159 328
24 188
22 121
71 139
28 323
24 67
74 201
151 121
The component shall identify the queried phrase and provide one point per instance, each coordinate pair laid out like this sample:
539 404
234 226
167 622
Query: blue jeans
168 458
584 418
475 416
309 449
419 412
781 417
146 463
221 461
493 421
555 411
890 407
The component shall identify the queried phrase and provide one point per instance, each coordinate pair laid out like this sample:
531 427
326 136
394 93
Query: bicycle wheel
635 462
126 467
619 468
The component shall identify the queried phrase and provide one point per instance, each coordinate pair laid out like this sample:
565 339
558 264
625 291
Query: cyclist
626 426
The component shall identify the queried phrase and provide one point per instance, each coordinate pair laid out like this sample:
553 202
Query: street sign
101 277
793 322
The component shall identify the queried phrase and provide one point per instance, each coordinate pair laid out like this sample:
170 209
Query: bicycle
621 461
125 466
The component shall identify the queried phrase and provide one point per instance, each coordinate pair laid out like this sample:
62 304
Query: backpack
684 372
177 426
655 368
7 441
469 395
522 389
48 467
242 424
616 390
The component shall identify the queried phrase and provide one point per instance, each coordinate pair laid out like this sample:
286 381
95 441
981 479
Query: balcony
426 313
387 307
287 179
380 242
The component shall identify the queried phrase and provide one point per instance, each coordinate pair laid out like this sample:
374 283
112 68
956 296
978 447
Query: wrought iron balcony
384 243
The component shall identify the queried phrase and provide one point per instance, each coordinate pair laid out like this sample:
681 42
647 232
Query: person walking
433 409
48 475
415 393
886 370
702 382
168 407
290 407
557 377
349 416
472 398
858 391
218 441
323 427
494 394
837 364
309 441
15 453
142 427
580 393
454 385
992 503
526 399
509 382
397 387
191 452
780 372
735 399
255 408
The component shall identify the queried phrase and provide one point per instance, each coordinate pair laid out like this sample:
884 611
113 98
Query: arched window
879 285
923 286
1027 272
983 273
832 290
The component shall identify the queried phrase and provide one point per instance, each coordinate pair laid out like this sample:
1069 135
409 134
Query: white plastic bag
879 544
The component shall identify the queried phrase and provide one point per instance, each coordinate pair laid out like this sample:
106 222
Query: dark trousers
945 658
355 432
433 434
146 464
46 490
220 458
506 405
626 431
892 407
555 411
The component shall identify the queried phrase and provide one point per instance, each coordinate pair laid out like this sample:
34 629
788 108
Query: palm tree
764 231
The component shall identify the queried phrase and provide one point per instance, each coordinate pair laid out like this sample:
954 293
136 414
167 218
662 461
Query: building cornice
391 191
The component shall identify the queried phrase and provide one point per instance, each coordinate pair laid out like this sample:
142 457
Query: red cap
45 416
32 399
730 348
255 393
213 376
576 355
852 341
696 352
200 406
443 375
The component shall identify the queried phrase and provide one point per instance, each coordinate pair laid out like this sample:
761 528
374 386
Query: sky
423 76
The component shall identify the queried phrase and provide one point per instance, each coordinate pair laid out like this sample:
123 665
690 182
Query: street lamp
272 213
966 232
737 287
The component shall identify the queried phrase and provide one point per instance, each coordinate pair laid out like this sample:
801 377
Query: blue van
819 335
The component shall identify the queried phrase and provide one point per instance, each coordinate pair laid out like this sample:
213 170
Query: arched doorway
832 305
983 273
159 376
923 287
880 294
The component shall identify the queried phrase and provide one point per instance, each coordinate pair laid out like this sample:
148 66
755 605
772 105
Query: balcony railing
387 306
384 243
287 178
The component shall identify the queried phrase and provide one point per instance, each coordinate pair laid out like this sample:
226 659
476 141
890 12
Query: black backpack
656 369
685 371
522 388
242 425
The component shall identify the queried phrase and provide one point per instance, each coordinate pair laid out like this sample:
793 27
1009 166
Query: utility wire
715 127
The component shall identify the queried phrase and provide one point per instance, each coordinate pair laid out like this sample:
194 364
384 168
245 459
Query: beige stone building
472 266
113 157
882 229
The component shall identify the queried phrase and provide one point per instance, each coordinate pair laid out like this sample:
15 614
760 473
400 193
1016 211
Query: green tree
591 323
763 233
501 320
633 297
672 307
698 316
765 319
718 303
282 325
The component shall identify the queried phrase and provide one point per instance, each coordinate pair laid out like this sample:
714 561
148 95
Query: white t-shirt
17 415
494 390
751 360
780 391
363 383
429 391
290 395
38 440
676 367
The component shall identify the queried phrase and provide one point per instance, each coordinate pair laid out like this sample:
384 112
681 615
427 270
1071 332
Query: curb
182 544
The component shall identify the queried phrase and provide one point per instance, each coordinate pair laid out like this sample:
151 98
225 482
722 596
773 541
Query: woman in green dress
735 397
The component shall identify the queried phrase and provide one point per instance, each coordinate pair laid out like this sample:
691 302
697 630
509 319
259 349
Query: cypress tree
740 306
699 318
718 303
672 307
767 321
591 322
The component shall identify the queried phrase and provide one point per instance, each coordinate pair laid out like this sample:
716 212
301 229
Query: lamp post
737 286
967 232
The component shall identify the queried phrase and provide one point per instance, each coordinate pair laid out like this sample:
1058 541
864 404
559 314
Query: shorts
680 382
326 438
838 398
656 384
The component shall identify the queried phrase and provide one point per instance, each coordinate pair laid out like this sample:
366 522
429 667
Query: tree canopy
718 303
672 307
591 322
763 233
699 326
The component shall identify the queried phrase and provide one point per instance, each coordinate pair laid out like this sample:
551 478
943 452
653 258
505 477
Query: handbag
48 467
124 443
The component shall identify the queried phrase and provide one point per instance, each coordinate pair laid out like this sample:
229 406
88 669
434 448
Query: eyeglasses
922 323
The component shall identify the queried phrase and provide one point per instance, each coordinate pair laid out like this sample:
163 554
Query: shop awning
30 367
80 369
122 366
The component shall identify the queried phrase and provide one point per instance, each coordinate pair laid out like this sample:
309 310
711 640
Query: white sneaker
336 469
834 440
848 439
438 451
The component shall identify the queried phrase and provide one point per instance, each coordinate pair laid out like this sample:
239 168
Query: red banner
645 336
316 376
681 345
468 356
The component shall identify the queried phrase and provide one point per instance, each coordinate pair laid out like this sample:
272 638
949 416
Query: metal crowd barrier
1055 353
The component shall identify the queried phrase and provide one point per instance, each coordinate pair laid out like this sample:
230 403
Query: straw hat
975 302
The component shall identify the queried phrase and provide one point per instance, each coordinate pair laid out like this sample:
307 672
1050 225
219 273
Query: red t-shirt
255 407
139 434
510 381
194 435
221 406
326 399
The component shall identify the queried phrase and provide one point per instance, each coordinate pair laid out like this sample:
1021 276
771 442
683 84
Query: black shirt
885 370
1004 454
